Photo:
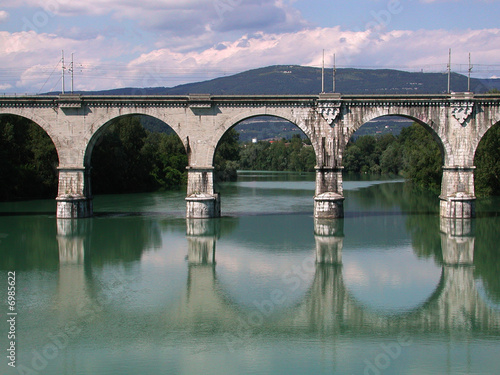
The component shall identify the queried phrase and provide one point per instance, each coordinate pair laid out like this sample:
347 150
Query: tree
353 158
168 158
227 156
422 159
29 160
129 159
391 159
118 166
487 174
283 155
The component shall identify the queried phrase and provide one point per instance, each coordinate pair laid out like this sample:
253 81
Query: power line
156 75
55 67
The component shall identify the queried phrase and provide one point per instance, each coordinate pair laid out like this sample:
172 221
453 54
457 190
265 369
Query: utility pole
334 73
449 72
468 76
323 74
71 70
62 71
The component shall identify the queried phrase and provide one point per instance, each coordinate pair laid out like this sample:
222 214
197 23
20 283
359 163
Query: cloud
4 16
30 59
106 63
188 17
260 16
453 1
412 49
437 1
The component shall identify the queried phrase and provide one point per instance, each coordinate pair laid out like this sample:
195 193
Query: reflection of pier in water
72 239
328 307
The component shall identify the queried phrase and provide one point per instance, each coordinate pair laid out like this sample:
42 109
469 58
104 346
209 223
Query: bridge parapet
70 101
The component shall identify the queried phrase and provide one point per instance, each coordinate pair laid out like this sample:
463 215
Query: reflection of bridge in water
327 307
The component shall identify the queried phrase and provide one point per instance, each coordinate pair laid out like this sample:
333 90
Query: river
266 289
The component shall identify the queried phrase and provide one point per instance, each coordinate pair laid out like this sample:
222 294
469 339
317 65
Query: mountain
294 79
491 83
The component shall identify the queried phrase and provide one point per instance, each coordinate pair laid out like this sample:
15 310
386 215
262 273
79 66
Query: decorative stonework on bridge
461 111
75 123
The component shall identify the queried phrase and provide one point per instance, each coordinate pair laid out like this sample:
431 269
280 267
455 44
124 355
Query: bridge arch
32 157
41 123
486 156
431 127
385 151
268 112
100 126
123 157
484 127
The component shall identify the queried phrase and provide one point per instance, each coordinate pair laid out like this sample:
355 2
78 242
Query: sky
164 43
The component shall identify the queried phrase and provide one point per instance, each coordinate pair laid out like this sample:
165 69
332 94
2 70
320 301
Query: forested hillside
296 80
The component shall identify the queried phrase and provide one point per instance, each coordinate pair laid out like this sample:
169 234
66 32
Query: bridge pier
74 199
328 198
201 201
457 193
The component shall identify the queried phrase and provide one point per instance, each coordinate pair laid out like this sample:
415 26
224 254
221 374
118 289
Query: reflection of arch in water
205 294
82 247
327 307
330 306
455 304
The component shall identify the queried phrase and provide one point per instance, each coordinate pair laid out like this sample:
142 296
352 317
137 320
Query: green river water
137 289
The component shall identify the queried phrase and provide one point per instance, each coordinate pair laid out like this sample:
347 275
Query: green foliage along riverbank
487 161
282 155
128 158
413 154
29 160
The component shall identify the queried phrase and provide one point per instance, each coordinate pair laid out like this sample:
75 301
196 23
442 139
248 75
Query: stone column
328 198
457 192
74 199
202 202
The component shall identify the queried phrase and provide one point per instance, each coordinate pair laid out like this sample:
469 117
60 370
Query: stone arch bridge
457 121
